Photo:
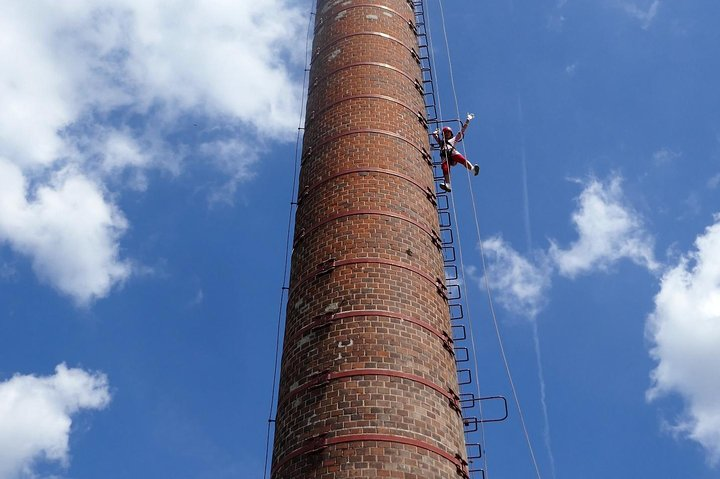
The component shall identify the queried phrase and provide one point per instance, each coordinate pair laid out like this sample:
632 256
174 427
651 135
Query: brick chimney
368 379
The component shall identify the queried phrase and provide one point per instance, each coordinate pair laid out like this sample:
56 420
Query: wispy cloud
684 330
665 156
608 230
234 159
556 20
714 182
692 205
106 89
36 416
520 286
7 271
198 299
645 16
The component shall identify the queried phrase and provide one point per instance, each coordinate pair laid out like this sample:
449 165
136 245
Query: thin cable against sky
485 271
283 289
463 276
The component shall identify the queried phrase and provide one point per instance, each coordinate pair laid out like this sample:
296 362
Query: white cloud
67 228
684 330
198 299
226 59
519 286
233 158
36 416
692 205
713 182
665 156
120 151
35 96
223 57
609 230
7 271
105 88
647 16
555 23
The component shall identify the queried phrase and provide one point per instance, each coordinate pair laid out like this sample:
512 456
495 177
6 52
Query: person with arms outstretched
449 154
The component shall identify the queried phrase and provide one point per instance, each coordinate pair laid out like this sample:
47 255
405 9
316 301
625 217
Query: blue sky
146 162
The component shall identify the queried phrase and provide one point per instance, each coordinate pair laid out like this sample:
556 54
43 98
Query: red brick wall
367 373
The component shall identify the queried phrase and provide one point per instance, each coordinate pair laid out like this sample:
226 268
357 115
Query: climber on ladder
449 154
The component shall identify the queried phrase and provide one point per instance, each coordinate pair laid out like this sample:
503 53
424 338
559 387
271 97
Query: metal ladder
470 403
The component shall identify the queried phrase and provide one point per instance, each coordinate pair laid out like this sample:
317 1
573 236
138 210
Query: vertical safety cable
462 269
306 75
485 273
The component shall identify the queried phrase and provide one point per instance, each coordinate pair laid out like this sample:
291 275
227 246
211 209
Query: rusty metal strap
323 378
457 460
358 131
337 40
314 444
449 394
326 319
313 114
357 64
426 190
320 442
324 269
360 5
397 264
429 231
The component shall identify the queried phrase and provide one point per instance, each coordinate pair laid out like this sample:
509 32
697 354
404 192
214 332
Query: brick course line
303 234
309 189
325 319
325 377
456 459
319 443
327 140
348 262
327 47
322 21
315 113
317 81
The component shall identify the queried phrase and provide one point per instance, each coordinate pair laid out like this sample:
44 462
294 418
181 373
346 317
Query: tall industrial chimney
368 382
